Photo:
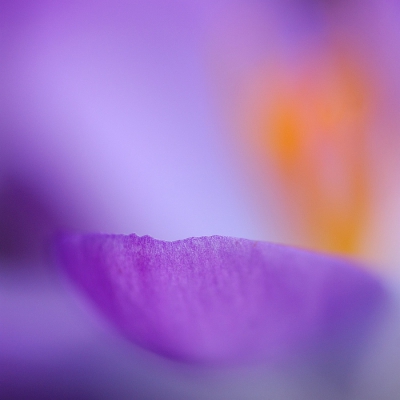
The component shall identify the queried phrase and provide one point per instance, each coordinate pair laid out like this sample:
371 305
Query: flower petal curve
219 299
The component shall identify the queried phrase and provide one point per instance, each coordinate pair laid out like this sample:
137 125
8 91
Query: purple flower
223 300
112 121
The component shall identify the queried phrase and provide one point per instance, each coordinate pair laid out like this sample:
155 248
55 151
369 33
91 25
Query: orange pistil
312 129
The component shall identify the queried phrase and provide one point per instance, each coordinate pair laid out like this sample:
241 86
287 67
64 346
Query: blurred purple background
143 116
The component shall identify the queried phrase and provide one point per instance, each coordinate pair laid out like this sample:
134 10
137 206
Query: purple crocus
224 300
108 123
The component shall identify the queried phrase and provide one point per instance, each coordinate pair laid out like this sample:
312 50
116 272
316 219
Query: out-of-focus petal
220 300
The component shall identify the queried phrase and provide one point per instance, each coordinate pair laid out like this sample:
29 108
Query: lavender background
119 117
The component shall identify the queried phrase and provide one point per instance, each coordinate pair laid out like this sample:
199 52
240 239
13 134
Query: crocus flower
107 125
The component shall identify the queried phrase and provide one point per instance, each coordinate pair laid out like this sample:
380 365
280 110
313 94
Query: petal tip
219 299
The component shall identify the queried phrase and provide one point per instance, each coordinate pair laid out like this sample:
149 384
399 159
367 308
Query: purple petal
218 299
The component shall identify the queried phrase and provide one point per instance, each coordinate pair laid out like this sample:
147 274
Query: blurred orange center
313 130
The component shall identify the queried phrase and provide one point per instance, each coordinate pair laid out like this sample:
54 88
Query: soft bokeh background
272 120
